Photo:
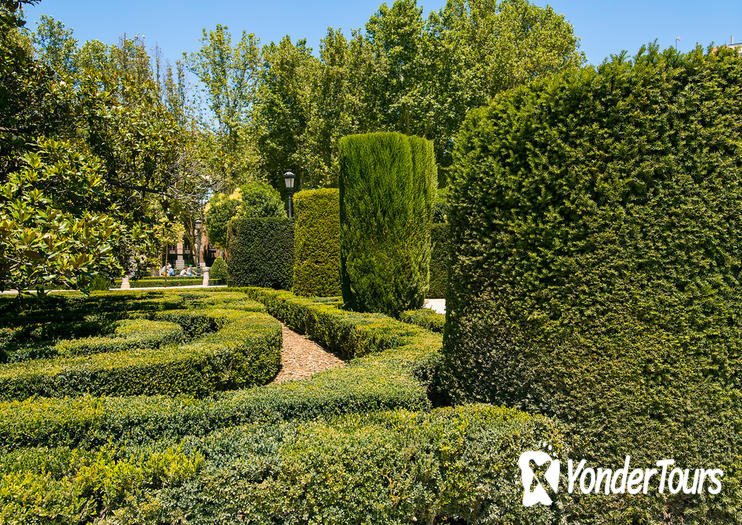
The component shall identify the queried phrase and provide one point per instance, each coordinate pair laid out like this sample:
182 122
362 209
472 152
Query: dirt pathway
302 358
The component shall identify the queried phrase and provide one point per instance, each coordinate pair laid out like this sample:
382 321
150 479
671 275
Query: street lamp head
198 224
288 178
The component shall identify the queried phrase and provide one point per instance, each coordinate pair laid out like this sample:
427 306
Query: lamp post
198 244
289 178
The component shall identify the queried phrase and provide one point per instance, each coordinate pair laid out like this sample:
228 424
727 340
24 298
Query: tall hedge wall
438 261
387 188
596 222
261 252
317 238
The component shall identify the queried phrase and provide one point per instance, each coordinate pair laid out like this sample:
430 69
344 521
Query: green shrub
426 318
378 377
245 351
260 200
221 209
261 252
218 271
63 486
317 238
128 334
439 261
99 283
596 224
448 465
387 187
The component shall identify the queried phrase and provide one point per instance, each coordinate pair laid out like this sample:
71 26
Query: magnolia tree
50 232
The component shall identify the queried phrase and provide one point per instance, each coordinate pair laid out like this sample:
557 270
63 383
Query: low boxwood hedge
449 465
245 351
382 353
128 334
426 318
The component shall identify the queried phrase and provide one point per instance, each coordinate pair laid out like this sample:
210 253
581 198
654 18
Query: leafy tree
255 200
219 210
260 200
230 80
283 106
51 233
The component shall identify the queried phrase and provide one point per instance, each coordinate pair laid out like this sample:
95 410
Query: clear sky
604 26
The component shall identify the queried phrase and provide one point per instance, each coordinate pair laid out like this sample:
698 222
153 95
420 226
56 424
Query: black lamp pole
198 244
288 179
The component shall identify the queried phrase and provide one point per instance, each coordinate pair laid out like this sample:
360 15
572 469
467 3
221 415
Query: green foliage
439 261
229 76
254 200
261 200
387 187
261 252
401 72
51 232
220 210
244 351
72 486
596 224
128 334
317 238
378 377
390 467
440 207
425 318
218 270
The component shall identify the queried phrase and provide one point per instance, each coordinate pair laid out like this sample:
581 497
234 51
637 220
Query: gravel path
302 358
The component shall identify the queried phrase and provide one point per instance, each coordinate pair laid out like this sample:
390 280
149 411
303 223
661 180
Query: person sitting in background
183 272
190 272
163 270
170 270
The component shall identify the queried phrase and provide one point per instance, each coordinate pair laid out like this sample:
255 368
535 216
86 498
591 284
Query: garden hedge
426 318
449 465
232 345
128 334
261 252
317 238
381 351
596 225
218 271
439 261
387 188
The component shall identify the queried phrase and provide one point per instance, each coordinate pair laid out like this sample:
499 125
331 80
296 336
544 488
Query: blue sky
603 26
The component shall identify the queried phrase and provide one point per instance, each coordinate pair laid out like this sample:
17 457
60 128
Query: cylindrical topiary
596 230
317 242
261 252
387 188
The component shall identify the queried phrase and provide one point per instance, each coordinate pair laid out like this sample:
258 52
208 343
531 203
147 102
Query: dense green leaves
261 252
55 230
253 200
439 261
387 187
596 230
317 243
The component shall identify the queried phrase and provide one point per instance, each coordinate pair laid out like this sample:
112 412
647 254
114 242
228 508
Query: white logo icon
537 493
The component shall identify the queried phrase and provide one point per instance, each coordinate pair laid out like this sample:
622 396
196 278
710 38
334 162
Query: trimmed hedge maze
361 440
153 356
